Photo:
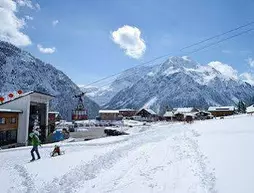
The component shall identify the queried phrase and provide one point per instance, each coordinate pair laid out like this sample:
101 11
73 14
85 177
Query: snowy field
206 156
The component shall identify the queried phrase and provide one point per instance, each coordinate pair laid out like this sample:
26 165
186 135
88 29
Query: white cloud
129 39
29 17
224 69
247 77
55 22
250 61
46 50
23 3
28 3
37 6
11 25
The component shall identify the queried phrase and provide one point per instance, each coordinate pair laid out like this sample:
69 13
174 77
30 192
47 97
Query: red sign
10 95
20 91
1 99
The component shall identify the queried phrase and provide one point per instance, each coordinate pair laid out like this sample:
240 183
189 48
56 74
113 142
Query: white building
250 109
33 105
184 110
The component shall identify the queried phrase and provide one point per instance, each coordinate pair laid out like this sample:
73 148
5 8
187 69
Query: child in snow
56 151
35 143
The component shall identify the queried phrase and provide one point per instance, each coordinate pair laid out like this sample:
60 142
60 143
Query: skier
35 143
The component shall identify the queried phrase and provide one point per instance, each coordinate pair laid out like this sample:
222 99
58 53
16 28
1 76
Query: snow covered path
160 158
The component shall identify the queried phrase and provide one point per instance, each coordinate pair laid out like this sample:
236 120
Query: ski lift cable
219 35
166 55
220 41
144 63
204 47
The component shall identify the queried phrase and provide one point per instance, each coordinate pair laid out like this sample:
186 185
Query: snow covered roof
127 110
250 109
168 114
108 111
225 108
184 110
54 112
10 111
190 114
150 111
25 94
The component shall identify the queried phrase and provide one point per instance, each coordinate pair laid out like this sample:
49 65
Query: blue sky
82 43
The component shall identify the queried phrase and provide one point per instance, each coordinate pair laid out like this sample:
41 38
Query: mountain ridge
20 70
181 82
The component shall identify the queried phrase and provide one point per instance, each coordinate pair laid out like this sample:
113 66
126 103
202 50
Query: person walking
35 143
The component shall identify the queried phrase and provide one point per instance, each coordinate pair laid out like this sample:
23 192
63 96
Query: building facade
250 109
147 115
127 112
9 121
34 105
222 111
109 115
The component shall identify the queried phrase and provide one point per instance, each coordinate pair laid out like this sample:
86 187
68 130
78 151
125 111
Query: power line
207 46
216 36
222 40
202 48
110 76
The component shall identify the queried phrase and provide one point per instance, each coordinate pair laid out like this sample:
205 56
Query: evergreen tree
241 107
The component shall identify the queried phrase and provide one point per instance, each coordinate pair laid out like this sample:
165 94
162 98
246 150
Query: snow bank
203 157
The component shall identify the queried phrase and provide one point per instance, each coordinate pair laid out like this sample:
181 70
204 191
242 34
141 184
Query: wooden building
147 115
202 115
33 105
189 117
9 121
222 111
179 116
185 113
108 115
169 116
127 112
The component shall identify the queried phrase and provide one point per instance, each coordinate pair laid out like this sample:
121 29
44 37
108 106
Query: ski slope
206 156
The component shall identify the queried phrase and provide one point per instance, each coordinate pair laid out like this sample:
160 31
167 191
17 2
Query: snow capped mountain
103 94
182 82
20 70
247 77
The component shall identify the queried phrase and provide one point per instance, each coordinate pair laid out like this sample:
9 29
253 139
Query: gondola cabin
80 113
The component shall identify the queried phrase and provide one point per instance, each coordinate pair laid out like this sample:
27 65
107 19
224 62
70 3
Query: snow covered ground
206 156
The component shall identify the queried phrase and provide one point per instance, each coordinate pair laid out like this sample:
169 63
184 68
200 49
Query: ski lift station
19 114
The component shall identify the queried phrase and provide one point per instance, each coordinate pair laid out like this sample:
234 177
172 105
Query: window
12 120
8 137
2 120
